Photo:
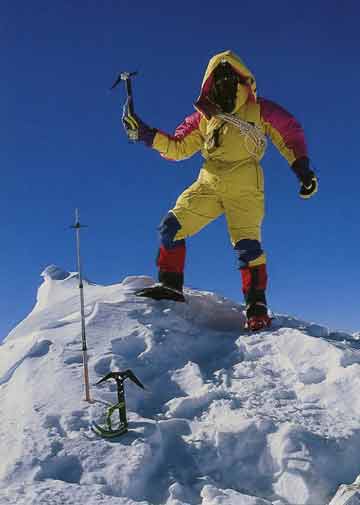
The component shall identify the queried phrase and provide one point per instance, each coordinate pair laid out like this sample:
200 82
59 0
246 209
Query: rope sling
254 139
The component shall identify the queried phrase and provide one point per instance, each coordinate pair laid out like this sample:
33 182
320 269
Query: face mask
224 88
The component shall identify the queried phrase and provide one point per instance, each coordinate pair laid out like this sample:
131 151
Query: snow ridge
227 418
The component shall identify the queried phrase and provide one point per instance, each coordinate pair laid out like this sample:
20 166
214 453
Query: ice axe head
123 76
120 377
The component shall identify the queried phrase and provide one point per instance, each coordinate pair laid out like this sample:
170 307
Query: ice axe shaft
126 77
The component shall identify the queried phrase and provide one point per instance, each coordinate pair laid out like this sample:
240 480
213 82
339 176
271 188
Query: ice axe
129 104
109 431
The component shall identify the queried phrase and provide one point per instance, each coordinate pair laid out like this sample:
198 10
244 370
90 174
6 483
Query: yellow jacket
224 142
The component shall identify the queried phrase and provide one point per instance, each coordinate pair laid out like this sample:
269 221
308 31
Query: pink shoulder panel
286 125
189 124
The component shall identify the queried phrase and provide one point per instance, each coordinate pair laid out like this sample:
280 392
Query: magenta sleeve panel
184 129
189 124
185 142
284 130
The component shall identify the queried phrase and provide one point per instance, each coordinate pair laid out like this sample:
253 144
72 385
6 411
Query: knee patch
248 250
168 229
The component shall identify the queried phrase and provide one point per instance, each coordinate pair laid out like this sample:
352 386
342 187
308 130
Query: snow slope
227 418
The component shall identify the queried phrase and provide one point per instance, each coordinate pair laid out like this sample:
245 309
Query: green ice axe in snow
109 431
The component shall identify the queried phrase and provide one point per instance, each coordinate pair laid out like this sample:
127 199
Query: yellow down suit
231 180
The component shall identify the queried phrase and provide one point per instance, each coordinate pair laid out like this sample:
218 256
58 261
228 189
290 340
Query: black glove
307 178
135 129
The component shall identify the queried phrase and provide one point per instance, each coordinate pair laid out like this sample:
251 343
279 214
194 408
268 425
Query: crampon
257 323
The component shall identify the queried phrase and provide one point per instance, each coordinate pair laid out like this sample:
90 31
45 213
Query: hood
240 68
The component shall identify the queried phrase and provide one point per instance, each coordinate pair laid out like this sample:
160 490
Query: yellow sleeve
186 141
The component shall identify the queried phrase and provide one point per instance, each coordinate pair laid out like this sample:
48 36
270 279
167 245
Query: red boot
171 275
254 281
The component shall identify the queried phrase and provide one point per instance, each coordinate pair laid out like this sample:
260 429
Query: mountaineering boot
254 284
170 262
170 287
257 316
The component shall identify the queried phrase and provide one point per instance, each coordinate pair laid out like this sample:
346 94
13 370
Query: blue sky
62 144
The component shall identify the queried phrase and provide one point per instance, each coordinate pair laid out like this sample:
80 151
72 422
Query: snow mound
55 273
227 417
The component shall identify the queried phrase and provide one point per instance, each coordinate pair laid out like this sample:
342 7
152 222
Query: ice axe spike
132 376
105 378
121 376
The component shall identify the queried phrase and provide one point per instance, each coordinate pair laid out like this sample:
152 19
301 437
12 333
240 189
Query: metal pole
77 227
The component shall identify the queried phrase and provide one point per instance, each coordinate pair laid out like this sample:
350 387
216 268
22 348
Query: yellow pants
234 190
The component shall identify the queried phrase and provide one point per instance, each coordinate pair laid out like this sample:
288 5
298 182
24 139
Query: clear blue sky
62 144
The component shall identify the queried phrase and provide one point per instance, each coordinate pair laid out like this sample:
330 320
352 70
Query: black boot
255 303
172 280
170 287
256 310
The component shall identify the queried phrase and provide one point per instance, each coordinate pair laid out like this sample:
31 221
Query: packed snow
227 417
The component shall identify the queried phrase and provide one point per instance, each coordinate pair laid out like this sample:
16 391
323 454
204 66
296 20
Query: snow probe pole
77 227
